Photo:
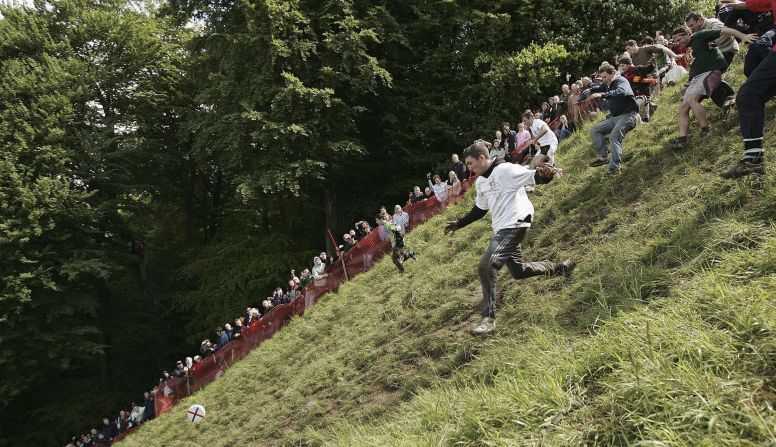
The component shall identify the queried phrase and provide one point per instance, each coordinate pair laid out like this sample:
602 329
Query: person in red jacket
758 89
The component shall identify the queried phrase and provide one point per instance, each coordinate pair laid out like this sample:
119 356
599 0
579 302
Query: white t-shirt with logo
503 194
549 138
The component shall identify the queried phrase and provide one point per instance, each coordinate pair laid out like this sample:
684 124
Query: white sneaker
485 326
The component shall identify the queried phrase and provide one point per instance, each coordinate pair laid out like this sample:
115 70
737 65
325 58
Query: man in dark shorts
706 66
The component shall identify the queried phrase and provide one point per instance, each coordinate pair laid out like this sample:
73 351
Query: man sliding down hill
500 189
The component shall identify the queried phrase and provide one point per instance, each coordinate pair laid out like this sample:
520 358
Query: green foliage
80 82
534 69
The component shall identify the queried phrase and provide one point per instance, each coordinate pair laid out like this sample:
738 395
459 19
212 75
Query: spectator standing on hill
523 135
623 115
149 411
401 219
726 44
347 243
223 337
398 256
565 93
109 430
417 195
554 111
758 89
428 193
324 258
500 189
319 277
509 141
497 151
707 64
544 112
459 168
574 111
587 84
453 185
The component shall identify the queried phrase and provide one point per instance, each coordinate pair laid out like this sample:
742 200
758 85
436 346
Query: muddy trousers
398 257
504 249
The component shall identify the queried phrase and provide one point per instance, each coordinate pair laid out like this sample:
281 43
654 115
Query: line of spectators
624 90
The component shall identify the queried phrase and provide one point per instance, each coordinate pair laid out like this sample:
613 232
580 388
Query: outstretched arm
746 38
667 51
474 215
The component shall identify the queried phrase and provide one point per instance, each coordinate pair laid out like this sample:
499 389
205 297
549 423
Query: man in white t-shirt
542 134
500 189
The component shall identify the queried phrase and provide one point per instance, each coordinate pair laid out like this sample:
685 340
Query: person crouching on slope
397 242
500 189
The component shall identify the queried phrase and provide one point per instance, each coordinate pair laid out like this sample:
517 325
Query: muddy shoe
743 168
677 144
599 162
566 268
485 327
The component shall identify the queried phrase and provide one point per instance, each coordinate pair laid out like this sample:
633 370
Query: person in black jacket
623 115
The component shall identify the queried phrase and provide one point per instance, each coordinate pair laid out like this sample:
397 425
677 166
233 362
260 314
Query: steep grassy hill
666 336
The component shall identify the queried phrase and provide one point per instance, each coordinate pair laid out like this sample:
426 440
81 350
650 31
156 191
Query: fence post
342 260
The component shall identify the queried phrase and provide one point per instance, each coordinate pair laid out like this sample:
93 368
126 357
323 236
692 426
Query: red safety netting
356 260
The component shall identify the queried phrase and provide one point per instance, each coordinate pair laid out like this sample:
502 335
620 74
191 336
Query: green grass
666 337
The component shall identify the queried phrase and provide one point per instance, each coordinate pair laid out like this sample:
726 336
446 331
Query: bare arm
540 134
667 51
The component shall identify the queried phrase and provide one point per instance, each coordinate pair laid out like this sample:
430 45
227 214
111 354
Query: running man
500 190
397 242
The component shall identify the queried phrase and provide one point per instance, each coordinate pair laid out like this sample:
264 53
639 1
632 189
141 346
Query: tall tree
82 81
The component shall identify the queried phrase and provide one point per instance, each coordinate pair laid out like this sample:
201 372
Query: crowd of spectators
624 89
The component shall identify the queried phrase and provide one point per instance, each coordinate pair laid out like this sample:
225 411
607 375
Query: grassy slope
668 332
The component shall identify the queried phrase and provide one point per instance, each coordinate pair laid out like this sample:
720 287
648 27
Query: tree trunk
205 209
102 318
190 203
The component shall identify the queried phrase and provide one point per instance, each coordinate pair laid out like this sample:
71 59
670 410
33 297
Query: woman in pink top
522 136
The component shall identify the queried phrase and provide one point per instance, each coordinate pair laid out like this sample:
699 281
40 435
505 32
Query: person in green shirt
706 66
397 241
